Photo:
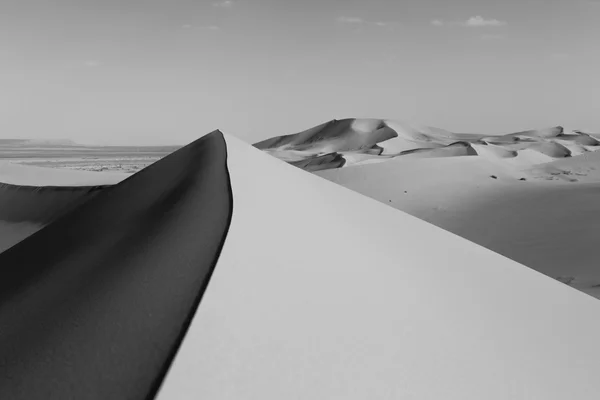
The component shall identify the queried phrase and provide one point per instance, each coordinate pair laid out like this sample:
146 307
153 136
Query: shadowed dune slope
41 204
94 305
26 209
32 197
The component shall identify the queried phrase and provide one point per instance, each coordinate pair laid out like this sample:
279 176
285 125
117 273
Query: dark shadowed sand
94 305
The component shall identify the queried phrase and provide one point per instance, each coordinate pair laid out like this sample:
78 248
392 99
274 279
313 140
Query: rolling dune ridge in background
94 305
364 141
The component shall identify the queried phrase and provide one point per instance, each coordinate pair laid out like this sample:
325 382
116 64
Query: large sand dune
509 195
350 142
318 292
321 293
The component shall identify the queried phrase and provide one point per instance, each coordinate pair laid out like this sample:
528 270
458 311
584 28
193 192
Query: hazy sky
168 71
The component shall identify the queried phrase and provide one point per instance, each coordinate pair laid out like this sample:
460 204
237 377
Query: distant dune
347 142
504 192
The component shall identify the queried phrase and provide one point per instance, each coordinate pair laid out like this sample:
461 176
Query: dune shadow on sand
95 304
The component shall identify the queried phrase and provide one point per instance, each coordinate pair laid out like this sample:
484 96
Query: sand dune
349 299
509 198
341 298
94 305
380 140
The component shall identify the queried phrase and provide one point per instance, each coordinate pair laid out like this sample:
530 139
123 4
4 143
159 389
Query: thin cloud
478 22
350 20
474 22
224 4
357 21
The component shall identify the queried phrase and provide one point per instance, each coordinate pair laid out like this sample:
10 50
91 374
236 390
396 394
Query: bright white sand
321 293
546 222
504 192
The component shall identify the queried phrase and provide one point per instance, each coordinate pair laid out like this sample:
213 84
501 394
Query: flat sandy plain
69 155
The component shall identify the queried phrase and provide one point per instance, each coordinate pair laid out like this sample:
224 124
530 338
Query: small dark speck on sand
493 177
522 179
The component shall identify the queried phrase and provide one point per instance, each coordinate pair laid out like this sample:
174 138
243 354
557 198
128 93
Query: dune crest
365 141
339 297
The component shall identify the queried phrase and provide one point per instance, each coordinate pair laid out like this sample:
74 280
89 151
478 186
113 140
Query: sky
169 71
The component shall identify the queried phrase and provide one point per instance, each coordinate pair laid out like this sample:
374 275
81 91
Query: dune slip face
95 305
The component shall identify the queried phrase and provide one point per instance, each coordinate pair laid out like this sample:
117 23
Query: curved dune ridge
95 304
349 299
364 141
341 298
